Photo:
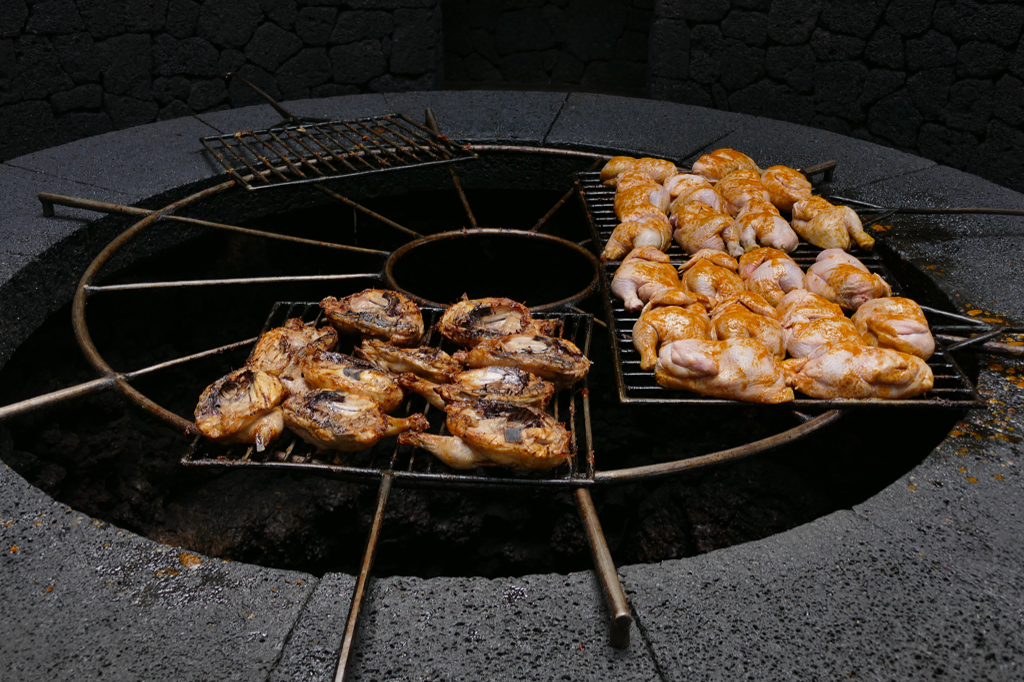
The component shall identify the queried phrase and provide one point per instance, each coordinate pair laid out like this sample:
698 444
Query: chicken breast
752 260
698 226
242 407
687 188
710 277
641 199
897 323
740 187
379 313
740 369
334 420
775 278
847 370
764 228
556 360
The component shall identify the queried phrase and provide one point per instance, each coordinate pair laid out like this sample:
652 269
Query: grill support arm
614 596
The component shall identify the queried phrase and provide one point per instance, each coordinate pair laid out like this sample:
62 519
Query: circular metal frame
187 427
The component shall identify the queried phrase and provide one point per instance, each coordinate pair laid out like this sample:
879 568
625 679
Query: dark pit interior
104 456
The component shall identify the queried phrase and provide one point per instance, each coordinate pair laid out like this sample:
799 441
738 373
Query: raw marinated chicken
471 321
741 369
430 363
740 187
376 312
508 384
842 279
556 360
652 229
279 351
752 260
242 407
657 169
765 228
643 273
669 316
786 186
829 227
748 316
515 436
615 167
632 178
687 188
775 278
340 372
856 371
710 276
334 420
896 323
698 227
719 163
810 321
641 199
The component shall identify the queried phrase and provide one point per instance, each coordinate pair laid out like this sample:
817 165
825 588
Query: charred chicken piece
340 372
748 316
643 273
508 384
556 360
843 279
334 420
896 323
471 321
710 276
653 229
850 370
430 363
515 436
376 312
669 316
449 449
721 162
786 186
242 407
741 369
279 351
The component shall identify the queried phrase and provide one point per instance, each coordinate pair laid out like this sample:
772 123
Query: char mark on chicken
333 420
242 407
378 313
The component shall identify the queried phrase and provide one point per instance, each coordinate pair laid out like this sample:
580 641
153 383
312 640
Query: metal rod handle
432 124
614 596
364 575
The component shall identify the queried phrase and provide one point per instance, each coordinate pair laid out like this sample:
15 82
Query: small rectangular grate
316 152
952 388
412 466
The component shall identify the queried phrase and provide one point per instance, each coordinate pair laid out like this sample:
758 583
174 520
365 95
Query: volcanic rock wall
74 68
940 78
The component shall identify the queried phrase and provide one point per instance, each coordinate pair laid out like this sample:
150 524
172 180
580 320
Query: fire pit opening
103 456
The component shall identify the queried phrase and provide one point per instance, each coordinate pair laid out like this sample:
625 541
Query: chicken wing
242 407
425 361
376 312
710 276
508 384
335 420
643 273
556 360
719 163
829 227
741 369
786 186
669 316
896 323
849 370
279 351
649 229
842 279
340 372
748 316
698 227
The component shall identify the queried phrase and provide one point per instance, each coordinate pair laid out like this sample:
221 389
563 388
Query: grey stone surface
481 115
264 116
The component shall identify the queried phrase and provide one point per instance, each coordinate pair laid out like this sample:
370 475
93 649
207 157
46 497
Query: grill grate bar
314 152
952 388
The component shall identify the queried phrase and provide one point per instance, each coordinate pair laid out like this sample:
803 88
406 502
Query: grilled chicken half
428 362
280 350
340 372
379 313
507 384
242 407
333 420
473 320
505 434
554 359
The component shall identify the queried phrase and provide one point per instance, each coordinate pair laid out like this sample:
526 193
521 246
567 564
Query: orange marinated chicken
643 273
748 316
786 186
775 278
641 199
698 226
719 163
896 323
710 276
740 369
752 260
686 187
829 227
760 228
669 316
657 169
843 279
740 187
653 229
849 370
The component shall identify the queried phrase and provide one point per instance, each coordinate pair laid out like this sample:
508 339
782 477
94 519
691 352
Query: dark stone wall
939 78
75 68
597 45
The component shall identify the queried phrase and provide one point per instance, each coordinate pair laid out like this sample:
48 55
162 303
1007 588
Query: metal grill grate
952 388
411 466
315 152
